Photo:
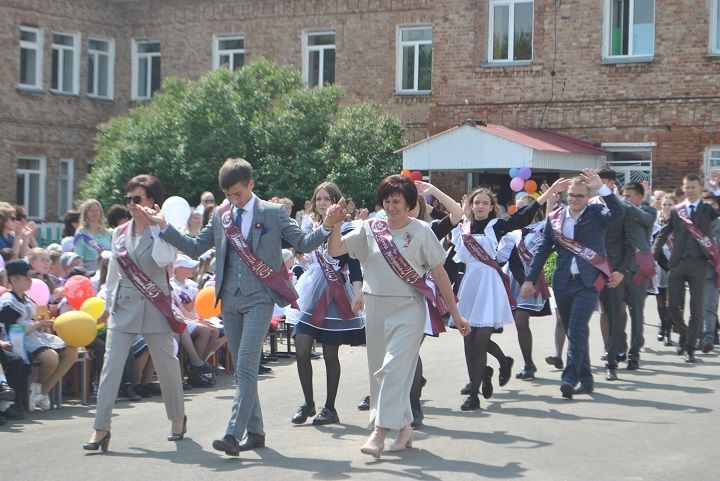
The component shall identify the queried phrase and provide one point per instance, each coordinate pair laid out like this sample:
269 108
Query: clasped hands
336 213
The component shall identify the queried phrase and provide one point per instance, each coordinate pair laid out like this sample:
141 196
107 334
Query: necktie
692 210
238 217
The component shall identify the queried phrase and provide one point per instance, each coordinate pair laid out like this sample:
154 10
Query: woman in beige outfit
395 310
131 314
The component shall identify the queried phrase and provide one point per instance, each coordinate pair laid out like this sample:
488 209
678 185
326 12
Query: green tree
295 137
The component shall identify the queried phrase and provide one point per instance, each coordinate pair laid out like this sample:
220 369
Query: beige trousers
394 329
117 347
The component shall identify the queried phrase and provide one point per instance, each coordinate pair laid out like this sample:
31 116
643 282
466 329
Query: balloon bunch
414 175
522 184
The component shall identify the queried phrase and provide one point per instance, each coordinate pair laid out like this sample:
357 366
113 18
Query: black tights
477 346
522 323
303 347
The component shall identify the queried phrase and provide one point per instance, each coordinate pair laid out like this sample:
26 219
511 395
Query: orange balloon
530 186
406 173
512 209
205 303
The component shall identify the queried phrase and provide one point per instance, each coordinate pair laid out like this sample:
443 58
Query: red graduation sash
147 286
542 286
479 253
646 267
274 280
557 218
402 268
334 291
707 245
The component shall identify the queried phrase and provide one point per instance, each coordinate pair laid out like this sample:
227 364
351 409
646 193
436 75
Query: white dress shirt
568 229
247 216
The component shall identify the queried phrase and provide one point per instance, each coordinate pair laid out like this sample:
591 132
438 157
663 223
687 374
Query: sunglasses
135 199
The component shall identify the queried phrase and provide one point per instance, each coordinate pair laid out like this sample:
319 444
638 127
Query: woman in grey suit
133 314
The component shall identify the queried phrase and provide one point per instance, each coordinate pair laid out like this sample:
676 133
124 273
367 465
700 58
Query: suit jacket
642 220
129 310
684 244
620 241
270 226
590 231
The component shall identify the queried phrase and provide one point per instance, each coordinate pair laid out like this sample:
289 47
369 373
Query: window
146 68
66 179
30 186
31 57
65 76
630 28
632 162
511 31
414 59
715 26
228 51
712 159
319 58
101 68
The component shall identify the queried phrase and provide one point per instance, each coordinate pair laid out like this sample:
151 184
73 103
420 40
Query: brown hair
422 208
397 184
149 183
692 178
331 189
235 171
495 212
208 213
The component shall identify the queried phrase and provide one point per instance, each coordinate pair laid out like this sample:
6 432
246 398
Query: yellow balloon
535 195
94 306
76 328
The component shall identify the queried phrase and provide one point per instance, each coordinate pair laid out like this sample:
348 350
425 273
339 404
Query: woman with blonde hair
92 237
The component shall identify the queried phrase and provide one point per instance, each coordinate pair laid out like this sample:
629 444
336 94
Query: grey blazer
270 225
129 310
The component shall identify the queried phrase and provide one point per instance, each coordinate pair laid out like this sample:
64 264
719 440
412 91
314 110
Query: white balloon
177 211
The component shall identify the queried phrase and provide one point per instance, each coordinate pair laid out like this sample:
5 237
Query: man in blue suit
578 233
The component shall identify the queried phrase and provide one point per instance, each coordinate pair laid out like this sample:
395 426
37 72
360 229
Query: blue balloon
520 195
514 172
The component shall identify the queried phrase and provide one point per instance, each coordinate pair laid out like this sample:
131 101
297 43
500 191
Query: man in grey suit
247 302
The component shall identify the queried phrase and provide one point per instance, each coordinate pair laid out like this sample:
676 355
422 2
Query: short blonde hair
85 207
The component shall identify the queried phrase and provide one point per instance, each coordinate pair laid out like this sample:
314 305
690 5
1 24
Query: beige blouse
416 242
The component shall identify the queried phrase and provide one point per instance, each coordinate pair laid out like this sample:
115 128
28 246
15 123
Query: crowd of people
341 275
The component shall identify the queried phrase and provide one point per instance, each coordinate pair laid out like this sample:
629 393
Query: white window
101 68
66 178
631 161
146 73
414 59
511 31
629 28
30 186
712 160
319 58
65 77
31 57
229 52
715 26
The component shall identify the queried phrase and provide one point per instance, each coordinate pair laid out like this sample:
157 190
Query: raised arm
453 208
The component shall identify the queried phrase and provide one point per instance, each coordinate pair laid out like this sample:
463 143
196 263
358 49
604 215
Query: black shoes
326 416
466 390
200 381
487 387
527 373
633 365
555 361
204 368
364 404
228 444
13 413
264 369
303 413
179 436
611 373
583 388
689 356
622 357
567 390
668 342
471 403
6 392
505 370
707 347
418 417
99 444
252 441
128 393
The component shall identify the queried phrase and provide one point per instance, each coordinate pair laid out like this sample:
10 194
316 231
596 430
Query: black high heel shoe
99 444
179 436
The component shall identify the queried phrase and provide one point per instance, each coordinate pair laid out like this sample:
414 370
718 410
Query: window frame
399 44
707 157
111 66
625 167
511 30
135 57
39 57
607 56
77 39
42 171
713 40
306 49
70 179
216 51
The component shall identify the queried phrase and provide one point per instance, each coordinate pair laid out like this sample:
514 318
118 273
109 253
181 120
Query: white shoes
37 399
42 401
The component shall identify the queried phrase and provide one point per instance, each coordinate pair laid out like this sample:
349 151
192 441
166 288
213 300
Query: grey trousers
246 321
611 302
692 271
635 295
166 364
710 308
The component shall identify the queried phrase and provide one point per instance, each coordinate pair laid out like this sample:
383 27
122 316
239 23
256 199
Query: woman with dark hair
117 215
484 293
136 274
71 220
330 303
397 253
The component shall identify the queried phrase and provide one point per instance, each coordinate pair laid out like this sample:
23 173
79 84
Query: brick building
638 78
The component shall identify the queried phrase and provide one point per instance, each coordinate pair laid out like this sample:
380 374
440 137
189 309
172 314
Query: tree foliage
293 136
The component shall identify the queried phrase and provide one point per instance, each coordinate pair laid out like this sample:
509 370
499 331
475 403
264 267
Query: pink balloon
39 292
525 173
517 184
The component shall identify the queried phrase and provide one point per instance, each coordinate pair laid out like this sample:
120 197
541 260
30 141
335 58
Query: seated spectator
70 220
208 214
70 261
30 228
117 215
194 225
13 382
40 261
92 237
13 234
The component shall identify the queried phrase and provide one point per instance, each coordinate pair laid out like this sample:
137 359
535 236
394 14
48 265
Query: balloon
205 303
517 184
406 173
101 326
78 289
520 195
39 292
76 328
525 173
94 306
535 195
530 186
416 175
511 209
177 211
514 172
428 198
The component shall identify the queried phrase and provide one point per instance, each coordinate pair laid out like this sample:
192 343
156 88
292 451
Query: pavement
657 422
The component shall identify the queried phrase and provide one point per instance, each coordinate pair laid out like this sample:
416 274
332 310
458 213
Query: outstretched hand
336 213
591 178
152 216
